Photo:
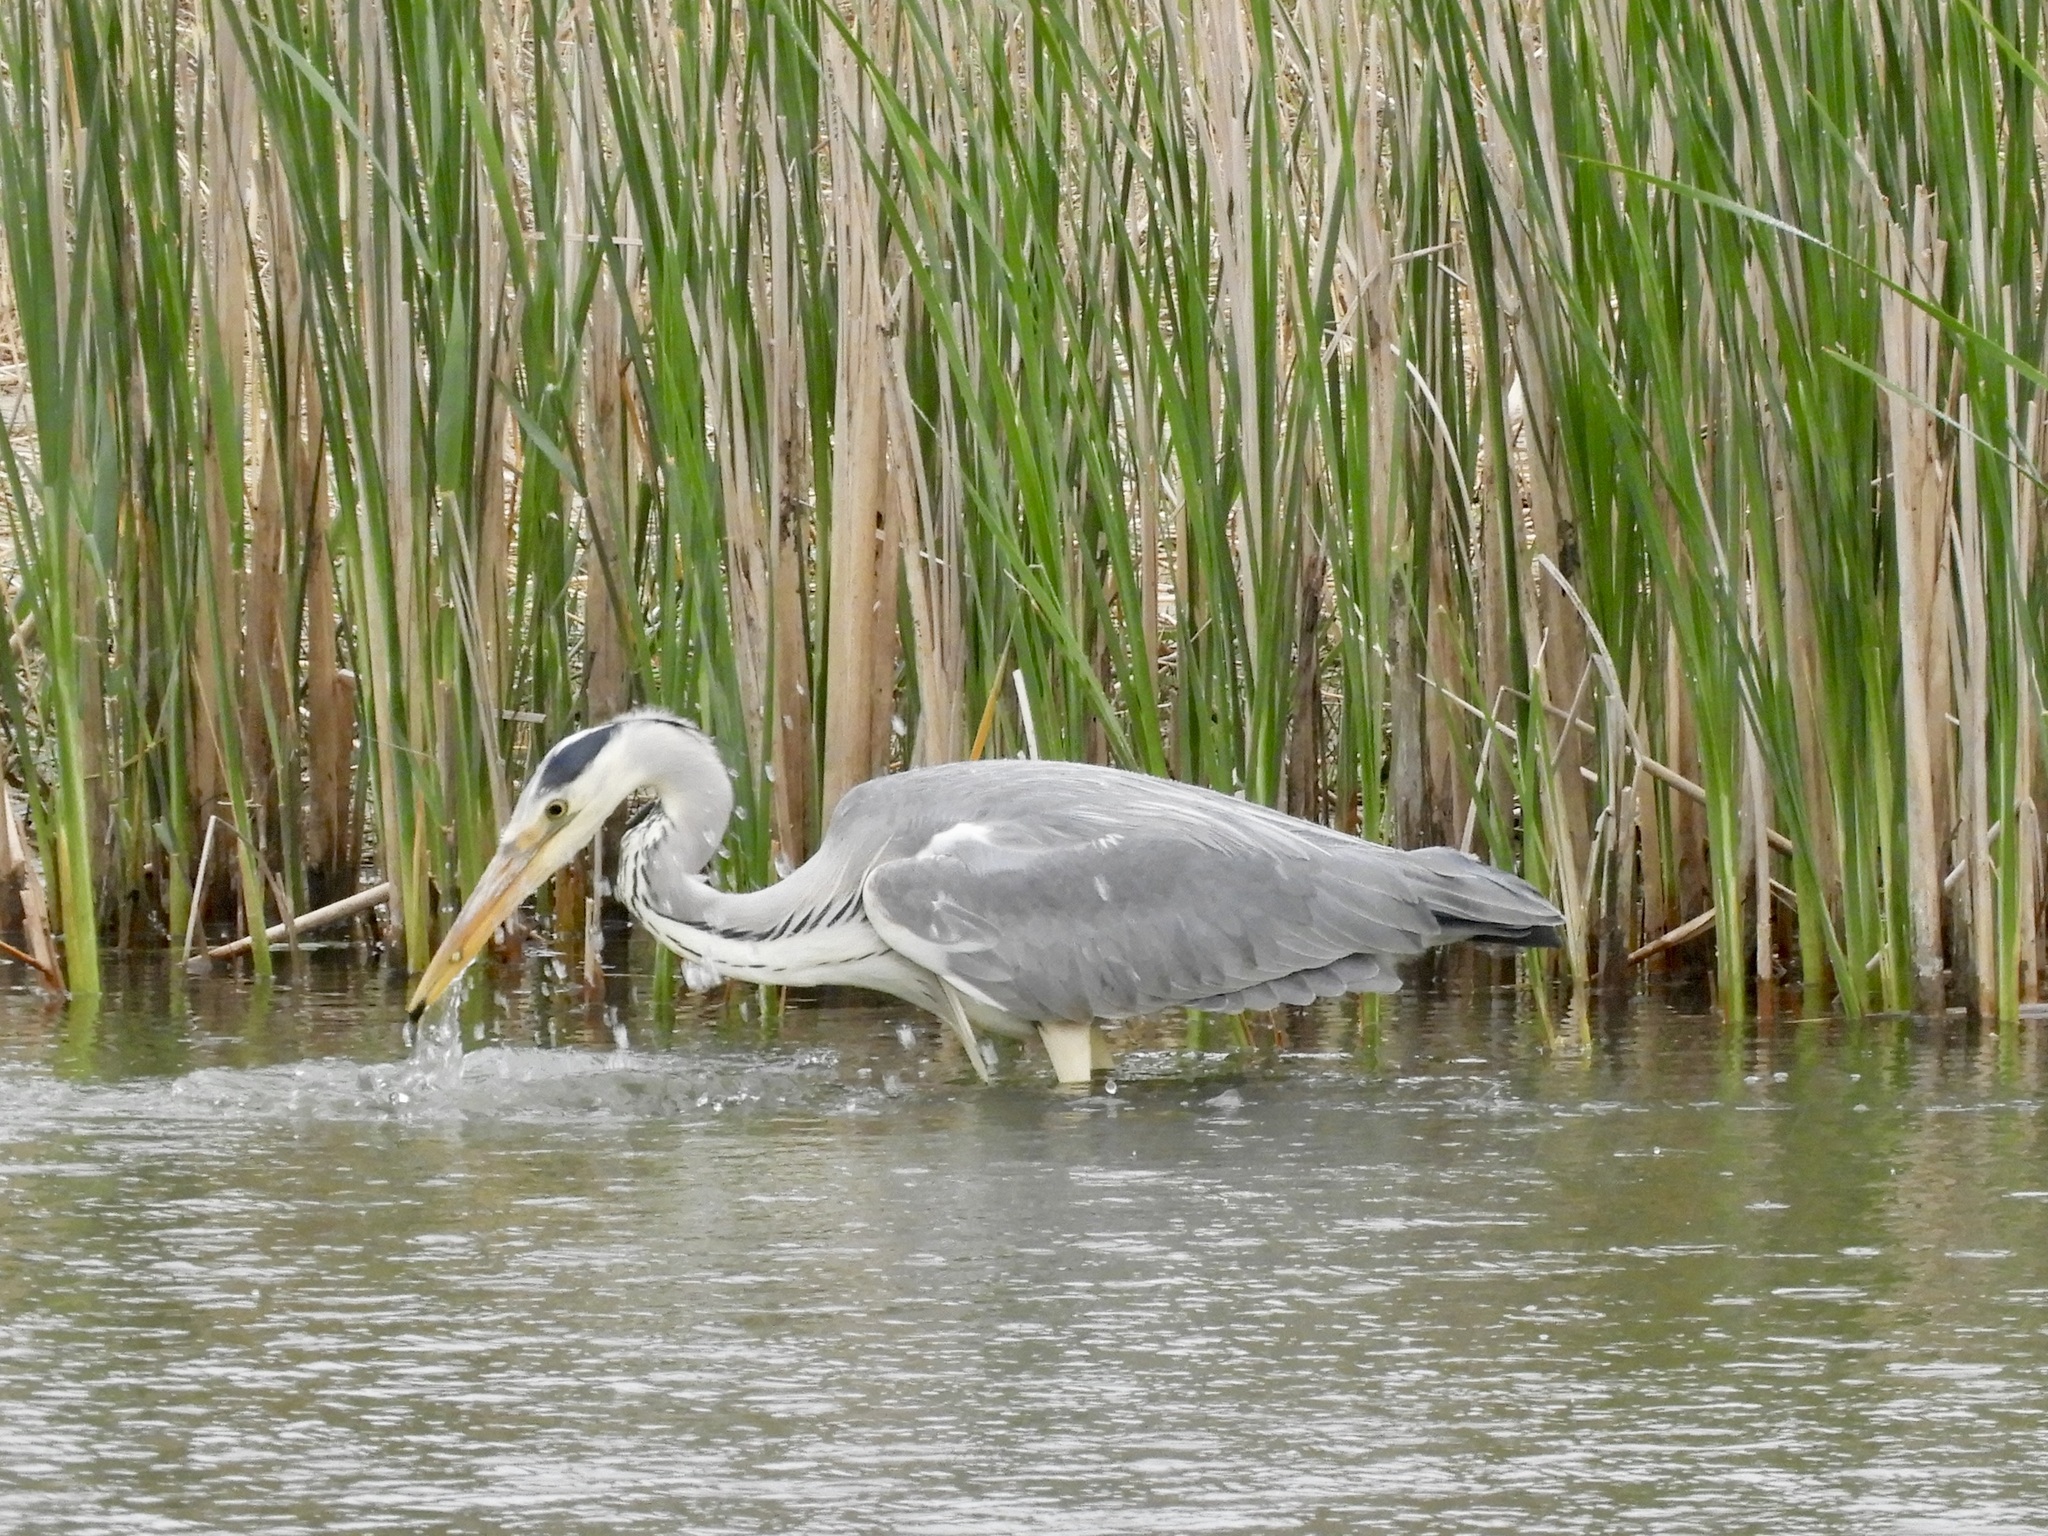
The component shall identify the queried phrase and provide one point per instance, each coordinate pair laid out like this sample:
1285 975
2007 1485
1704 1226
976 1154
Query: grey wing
1053 923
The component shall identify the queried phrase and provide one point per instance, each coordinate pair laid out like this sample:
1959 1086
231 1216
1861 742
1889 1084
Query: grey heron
1019 897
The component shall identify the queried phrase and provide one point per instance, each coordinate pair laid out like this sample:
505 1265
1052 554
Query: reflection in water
717 1269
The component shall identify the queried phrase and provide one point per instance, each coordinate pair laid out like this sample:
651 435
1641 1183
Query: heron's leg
956 1015
1077 1051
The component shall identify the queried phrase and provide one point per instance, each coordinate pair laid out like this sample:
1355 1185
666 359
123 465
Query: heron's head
582 780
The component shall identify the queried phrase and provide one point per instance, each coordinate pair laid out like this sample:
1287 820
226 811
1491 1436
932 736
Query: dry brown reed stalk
750 526
1972 665
790 739
860 614
1914 260
1549 627
227 763
1756 854
927 530
2032 920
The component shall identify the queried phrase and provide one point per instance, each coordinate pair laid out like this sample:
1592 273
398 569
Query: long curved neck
687 774
660 876
663 856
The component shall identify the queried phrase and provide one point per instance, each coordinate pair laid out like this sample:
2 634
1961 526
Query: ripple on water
1428 1277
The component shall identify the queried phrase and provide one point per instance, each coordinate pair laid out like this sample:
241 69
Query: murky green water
668 1272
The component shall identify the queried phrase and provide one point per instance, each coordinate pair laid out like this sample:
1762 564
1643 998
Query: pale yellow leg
1077 1051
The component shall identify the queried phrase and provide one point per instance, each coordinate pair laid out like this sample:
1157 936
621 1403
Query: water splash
432 1068
439 1083
435 1066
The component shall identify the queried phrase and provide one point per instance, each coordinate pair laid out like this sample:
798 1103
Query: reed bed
1607 436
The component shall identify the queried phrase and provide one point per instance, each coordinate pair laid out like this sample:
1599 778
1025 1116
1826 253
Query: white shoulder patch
955 836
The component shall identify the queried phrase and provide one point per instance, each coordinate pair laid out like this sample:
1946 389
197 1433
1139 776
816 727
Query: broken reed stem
1686 931
320 917
18 867
1649 765
199 884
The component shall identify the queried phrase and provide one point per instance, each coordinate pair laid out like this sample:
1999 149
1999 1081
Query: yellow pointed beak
505 883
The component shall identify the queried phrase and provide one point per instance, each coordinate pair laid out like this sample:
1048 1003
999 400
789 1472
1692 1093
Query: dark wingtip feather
1473 900
1545 936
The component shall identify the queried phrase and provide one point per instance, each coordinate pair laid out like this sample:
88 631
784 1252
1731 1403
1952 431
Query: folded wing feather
1057 918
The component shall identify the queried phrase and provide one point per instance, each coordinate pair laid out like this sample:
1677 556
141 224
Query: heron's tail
1473 900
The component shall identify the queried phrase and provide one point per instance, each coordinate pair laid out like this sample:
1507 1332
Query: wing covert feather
1061 918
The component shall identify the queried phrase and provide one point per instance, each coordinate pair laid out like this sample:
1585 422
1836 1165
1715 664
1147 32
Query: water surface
627 1265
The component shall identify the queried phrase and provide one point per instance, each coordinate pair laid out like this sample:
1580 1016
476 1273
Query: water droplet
1109 1086
906 1036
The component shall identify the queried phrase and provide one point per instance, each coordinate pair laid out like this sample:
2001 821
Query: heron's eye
557 809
